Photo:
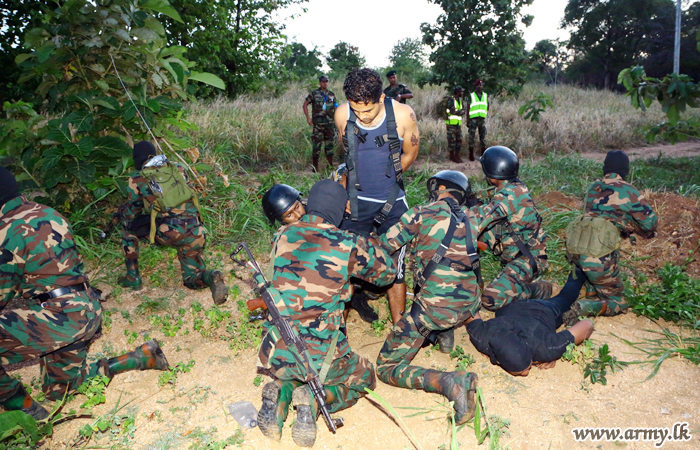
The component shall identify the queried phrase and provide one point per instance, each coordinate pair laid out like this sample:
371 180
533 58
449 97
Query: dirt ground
542 408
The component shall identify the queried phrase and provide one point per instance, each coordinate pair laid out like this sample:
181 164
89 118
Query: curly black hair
363 86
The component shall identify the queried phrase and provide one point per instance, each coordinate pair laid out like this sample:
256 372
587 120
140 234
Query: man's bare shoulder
341 113
404 113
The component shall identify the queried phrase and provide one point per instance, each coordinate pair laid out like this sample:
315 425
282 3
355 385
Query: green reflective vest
454 120
478 107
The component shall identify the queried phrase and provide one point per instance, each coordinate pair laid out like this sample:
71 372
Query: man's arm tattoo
414 139
413 116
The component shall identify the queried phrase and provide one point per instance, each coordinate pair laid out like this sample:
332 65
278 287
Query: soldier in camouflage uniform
39 261
511 226
180 227
313 262
617 201
453 120
447 297
398 92
323 103
477 105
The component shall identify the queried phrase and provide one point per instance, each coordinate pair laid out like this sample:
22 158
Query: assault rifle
294 343
116 218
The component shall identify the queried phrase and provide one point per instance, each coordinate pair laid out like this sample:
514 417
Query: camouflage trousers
57 334
511 284
474 124
350 374
189 240
324 131
399 349
603 274
454 138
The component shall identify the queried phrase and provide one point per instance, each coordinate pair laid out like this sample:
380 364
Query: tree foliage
478 39
408 58
550 56
73 55
300 63
344 57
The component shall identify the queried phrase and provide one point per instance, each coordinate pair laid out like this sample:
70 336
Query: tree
237 40
408 59
610 35
551 56
478 39
343 58
299 62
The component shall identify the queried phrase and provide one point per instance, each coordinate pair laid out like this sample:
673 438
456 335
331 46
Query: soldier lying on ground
613 208
181 227
39 261
313 261
512 228
524 333
447 292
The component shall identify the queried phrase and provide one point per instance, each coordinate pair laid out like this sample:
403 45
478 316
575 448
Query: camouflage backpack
168 185
592 236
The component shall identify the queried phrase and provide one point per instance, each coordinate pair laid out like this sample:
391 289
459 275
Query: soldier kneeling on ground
613 209
39 261
313 261
446 288
180 227
524 333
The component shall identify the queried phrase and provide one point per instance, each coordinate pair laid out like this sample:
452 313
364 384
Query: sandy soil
542 408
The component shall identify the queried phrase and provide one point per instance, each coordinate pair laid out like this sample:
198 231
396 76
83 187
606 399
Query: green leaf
145 34
14 421
51 157
163 7
111 145
44 52
208 78
19 59
154 24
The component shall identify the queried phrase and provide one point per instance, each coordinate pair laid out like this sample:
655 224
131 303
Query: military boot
132 279
458 387
358 302
304 428
20 400
277 395
586 308
458 159
329 158
446 341
541 289
215 280
315 164
591 293
148 356
471 154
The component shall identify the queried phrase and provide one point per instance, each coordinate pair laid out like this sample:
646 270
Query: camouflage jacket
317 98
38 253
392 92
313 262
514 204
449 296
138 190
621 203
452 106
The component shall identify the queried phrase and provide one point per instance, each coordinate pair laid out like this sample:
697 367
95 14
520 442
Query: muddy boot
20 400
315 164
277 395
458 159
471 154
132 279
452 156
358 302
591 293
446 341
215 280
458 387
586 308
304 429
148 356
329 158
541 290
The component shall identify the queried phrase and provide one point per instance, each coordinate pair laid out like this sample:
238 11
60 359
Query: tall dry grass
265 130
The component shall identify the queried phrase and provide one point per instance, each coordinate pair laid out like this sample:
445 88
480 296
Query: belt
46 296
192 221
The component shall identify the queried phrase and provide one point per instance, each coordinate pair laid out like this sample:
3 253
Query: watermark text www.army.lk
659 436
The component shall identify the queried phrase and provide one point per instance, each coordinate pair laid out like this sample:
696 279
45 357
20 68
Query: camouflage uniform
614 199
180 227
447 299
38 255
322 118
313 262
477 123
454 132
514 203
392 92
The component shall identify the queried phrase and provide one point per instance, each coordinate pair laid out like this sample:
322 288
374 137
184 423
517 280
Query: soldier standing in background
613 209
478 107
398 92
453 120
323 103
39 260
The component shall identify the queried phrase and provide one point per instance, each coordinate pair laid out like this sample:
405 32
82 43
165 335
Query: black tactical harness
392 137
523 248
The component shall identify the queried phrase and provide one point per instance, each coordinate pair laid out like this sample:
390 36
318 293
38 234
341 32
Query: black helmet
277 200
500 163
456 182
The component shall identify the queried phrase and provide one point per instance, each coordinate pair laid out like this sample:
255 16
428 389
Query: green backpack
168 185
592 236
